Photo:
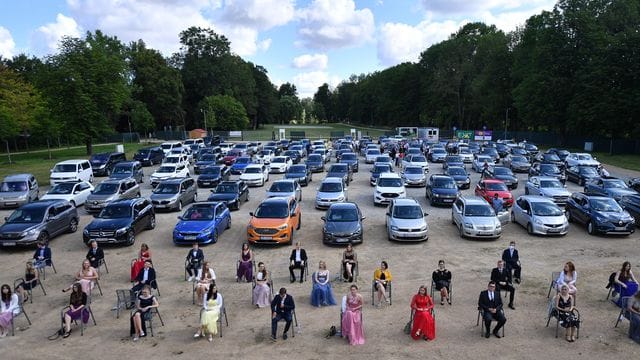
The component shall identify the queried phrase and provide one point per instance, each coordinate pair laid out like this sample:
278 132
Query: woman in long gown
86 277
138 264
321 293
634 309
211 304
423 323
261 291
245 267
352 326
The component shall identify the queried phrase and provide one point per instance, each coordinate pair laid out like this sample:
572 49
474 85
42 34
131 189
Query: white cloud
309 82
478 6
330 24
311 61
46 38
7 45
258 14
508 21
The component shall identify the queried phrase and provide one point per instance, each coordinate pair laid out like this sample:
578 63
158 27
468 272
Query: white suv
389 186
71 170
170 145
168 171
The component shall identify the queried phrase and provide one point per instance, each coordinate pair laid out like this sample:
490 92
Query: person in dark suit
502 278
42 256
146 276
195 257
282 307
297 260
512 261
95 254
491 305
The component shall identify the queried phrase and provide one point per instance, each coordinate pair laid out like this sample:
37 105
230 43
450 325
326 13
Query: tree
229 113
140 117
287 89
290 109
322 97
267 98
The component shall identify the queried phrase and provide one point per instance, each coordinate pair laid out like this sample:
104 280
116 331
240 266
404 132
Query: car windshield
383 159
407 212
272 210
551 184
314 158
292 153
546 209
166 146
549 169
551 157
234 153
106 188
483 159
454 159
115 212
207 157
496 186
172 160
342 215
99 157
62 168
278 160
373 152
457 171
605 205
225 189
338 169
445 184
198 213
519 159
413 170
13 186
243 160
23 216
166 188
615 184
210 171
389 182
62 189
298 169
122 170
166 169
588 171
330 187
253 170
584 157
502 171
438 151
281 187
479 210
348 157
382 168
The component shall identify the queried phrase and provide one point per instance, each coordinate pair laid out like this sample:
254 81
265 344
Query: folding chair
149 319
253 265
123 300
102 262
513 270
294 322
223 312
269 283
387 291
193 289
198 265
154 286
354 270
481 317
29 290
553 313
554 282
611 284
82 324
433 290
14 316
624 312
96 283
41 266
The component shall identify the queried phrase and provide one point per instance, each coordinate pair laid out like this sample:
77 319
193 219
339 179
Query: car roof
254 166
115 181
389 175
173 181
284 181
332 180
406 167
74 161
406 202
17 177
441 176
276 200
229 182
474 200
127 163
543 178
343 205
42 203
456 167
536 198
492 181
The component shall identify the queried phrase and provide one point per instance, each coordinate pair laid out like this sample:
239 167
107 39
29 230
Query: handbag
407 328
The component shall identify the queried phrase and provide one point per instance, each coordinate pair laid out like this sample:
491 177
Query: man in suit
146 276
195 257
511 260
282 306
502 278
298 259
42 256
95 254
491 305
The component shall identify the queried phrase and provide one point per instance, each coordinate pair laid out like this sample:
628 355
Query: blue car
202 223
609 186
204 161
238 167
441 190
601 215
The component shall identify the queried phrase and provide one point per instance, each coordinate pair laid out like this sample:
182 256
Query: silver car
517 163
110 190
405 221
548 187
539 215
413 175
331 191
18 189
38 221
173 194
474 217
285 188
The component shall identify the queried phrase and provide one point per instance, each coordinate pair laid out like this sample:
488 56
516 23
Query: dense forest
572 70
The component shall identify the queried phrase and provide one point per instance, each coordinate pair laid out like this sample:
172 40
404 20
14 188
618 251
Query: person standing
95 254
512 261
502 278
297 260
491 305
282 307
497 203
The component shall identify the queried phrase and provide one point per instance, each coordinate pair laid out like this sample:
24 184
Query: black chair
253 265
624 311
611 284
387 290
305 269
29 289
148 318
223 312
481 317
102 262
294 322
355 271
553 313
433 290
96 283
154 286
198 265
14 316
554 282
123 300
81 323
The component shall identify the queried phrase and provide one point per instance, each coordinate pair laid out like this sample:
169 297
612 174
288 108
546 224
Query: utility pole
506 121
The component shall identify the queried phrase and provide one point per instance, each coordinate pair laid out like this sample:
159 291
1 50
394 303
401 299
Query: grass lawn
312 131
631 162
39 164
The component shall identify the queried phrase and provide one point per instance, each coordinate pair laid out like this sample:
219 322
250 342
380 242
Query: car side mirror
251 214
212 190
79 171
362 218
425 215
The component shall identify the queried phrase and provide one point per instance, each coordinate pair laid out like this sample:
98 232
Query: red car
231 156
488 188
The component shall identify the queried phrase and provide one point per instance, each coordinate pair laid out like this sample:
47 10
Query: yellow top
378 273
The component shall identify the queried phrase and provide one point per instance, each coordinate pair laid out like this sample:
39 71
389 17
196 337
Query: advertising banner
483 135
464 134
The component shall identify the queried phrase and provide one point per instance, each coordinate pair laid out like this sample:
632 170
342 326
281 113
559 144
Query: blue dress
321 293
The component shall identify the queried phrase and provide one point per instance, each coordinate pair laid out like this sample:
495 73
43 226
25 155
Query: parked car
240 164
173 194
274 221
300 173
231 156
406 221
266 155
548 187
530 148
635 184
503 149
474 217
293 155
351 159
539 215
601 215
204 161
538 169
503 174
561 153
488 188
285 188
460 175
388 187
342 171
75 193
168 171
280 164
492 153
343 225
120 221
38 221
437 155
128 169
453 160
255 174
103 163
170 145
149 156
480 162
581 159
331 191
211 176
379 168
176 160
202 223
111 190
231 192
71 170
546 158
371 154
413 175
631 204
182 151
18 189
315 163
609 186
225 147
466 155
441 190
517 163
581 175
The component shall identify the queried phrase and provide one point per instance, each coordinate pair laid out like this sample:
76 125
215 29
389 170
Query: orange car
274 221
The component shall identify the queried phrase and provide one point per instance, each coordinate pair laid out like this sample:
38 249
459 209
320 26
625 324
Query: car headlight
394 228
423 228
31 232
172 200
341 198
378 192
250 227
283 227
468 225
468 180
122 231
538 221
436 195
85 232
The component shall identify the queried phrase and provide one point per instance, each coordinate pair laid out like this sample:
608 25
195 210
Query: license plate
448 200
206 183
10 204
267 238
621 228
553 230
9 243
189 237
342 240
485 233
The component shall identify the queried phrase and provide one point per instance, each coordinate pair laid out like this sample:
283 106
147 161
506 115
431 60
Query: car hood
341 227
108 224
329 195
482 220
98 197
336 174
613 216
277 165
229 158
267 222
71 174
239 166
443 191
408 223
554 192
270 194
588 162
222 197
16 228
295 175
193 226
314 163
251 176
162 196
12 194
460 177
209 177
552 220
96 163
502 194
205 163
120 176
56 196
521 163
392 189
163 175
450 163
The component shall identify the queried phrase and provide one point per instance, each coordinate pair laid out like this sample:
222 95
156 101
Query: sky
304 42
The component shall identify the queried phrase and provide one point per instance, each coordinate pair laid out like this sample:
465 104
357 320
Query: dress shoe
517 281
292 280
284 336
512 307
487 335
495 333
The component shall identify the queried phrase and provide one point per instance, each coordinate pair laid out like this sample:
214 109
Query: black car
351 159
531 149
149 156
581 174
503 149
211 176
635 184
120 221
231 192
315 163
342 224
491 152
502 173
561 153
631 203
300 173
102 164
608 186
294 155
460 175
442 190
342 171
600 214
204 161
547 158
538 169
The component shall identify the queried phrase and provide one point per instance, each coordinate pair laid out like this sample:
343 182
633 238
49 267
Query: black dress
441 278
567 319
145 315
347 259
28 285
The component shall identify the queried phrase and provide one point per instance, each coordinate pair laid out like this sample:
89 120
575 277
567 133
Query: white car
183 151
74 192
371 155
581 159
71 170
539 215
170 145
389 186
169 171
225 147
280 164
266 156
480 160
466 155
176 159
255 175
418 160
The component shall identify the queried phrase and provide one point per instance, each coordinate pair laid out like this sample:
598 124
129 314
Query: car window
85 165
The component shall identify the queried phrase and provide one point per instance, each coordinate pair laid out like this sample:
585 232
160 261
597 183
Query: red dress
137 265
422 319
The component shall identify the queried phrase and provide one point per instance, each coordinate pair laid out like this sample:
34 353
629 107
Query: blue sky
305 42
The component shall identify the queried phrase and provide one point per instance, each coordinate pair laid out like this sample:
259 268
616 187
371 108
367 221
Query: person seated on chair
321 292
195 257
352 327
138 264
206 277
86 277
146 276
261 291
502 278
212 304
381 278
95 254
442 279
634 316
625 283
568 276
282 307
42 256
297 260
349 263
245 264
564 305
9 307
30 281
423 323
144 303
511 261
490 303
77 308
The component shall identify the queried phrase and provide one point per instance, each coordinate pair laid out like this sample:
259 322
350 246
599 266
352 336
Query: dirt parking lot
248 333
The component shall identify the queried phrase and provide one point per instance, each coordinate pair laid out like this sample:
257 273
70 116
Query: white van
170 145
71 170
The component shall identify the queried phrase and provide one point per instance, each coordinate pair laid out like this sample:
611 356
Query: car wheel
73 225
453 222
43 237
585 190
229 223
138 194
141 179
131 238
513 217
460 231
590 229
152 223
526 191
262 182
299 222
215 236
569 217
245 199
529 229
180 205
73 203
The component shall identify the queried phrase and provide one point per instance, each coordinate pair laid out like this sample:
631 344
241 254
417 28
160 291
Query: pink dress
86 284
352 327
